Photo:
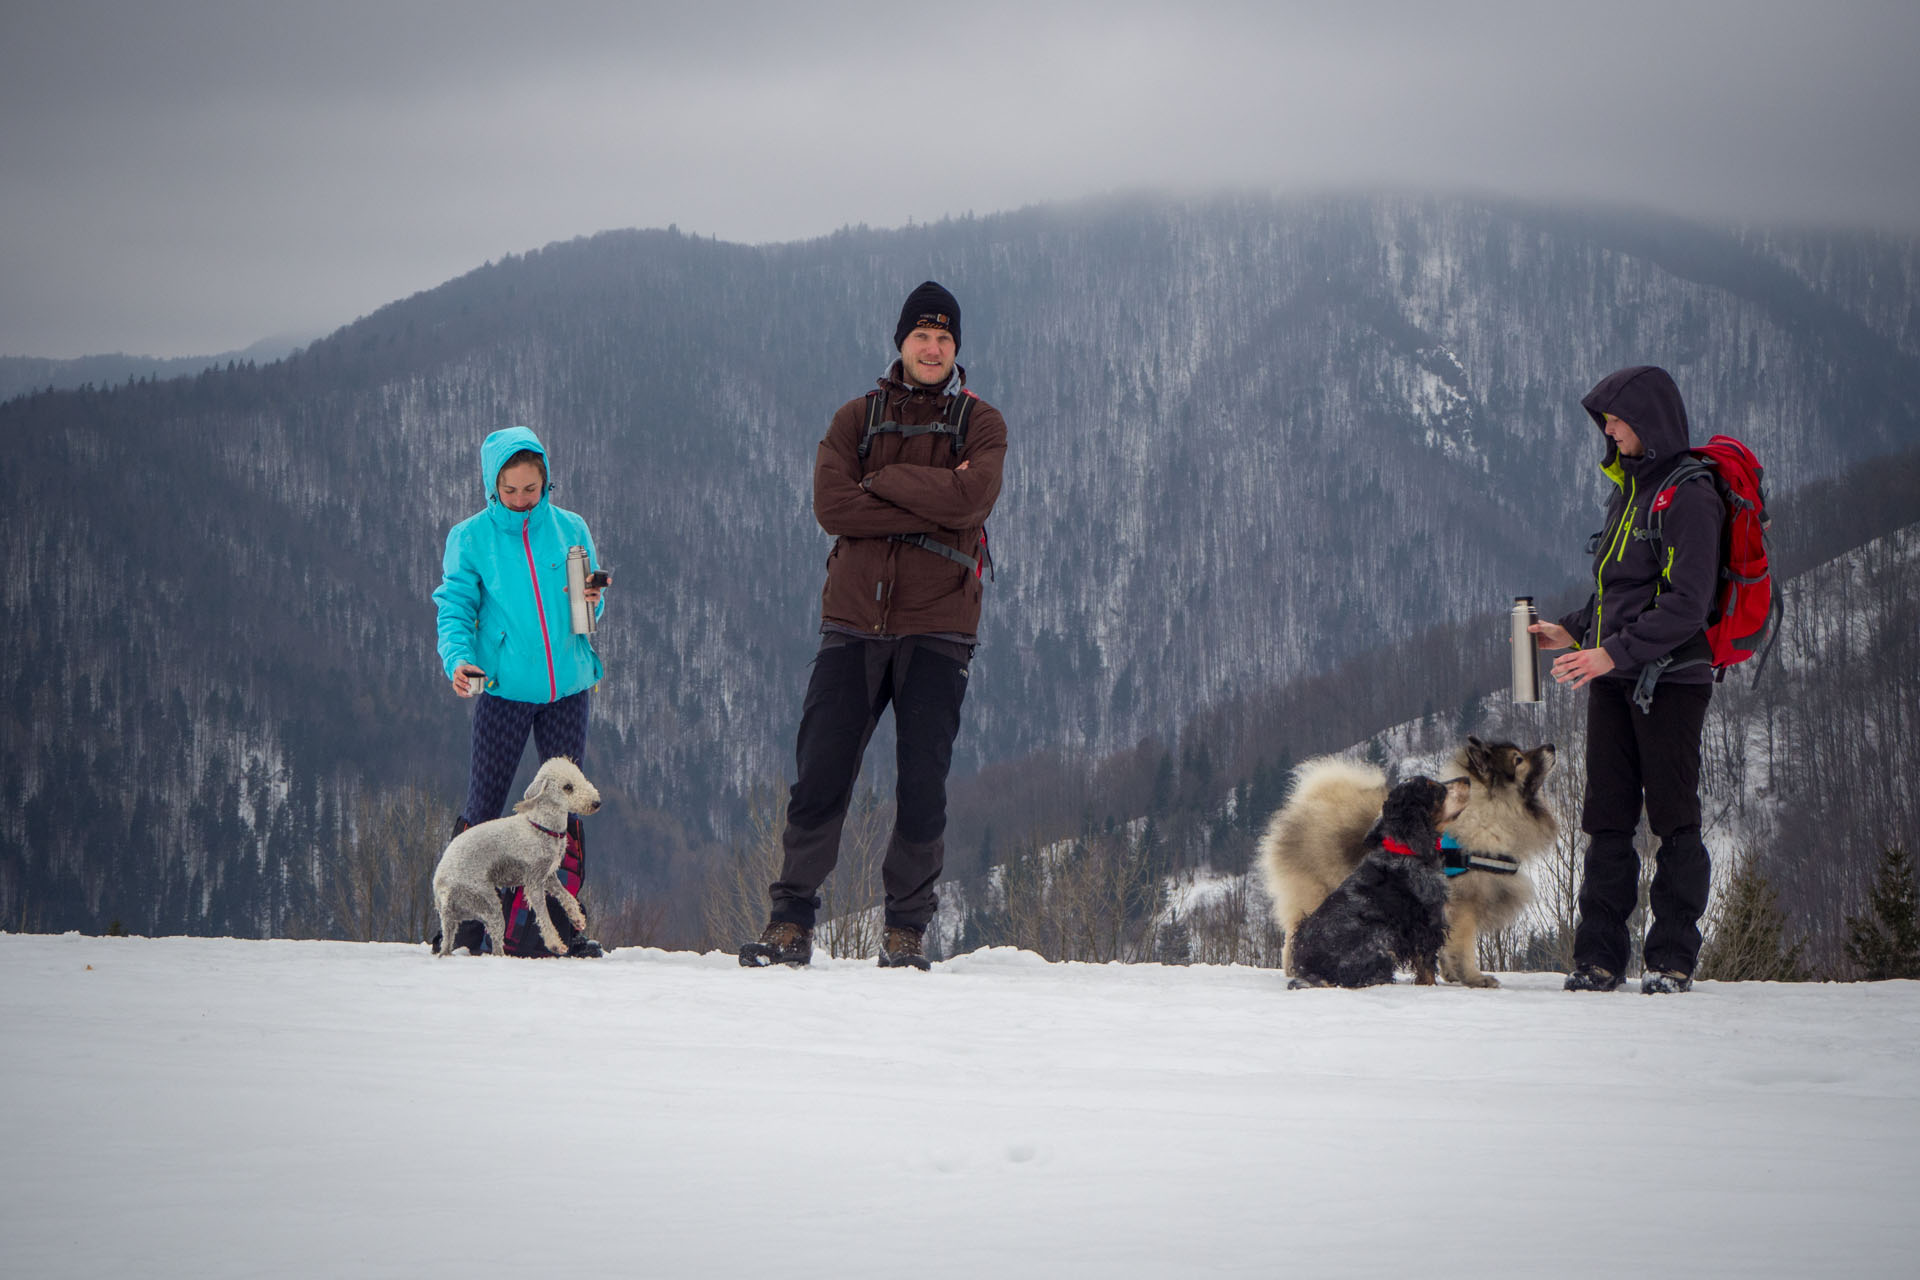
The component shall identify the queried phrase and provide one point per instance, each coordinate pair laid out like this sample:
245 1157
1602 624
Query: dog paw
1478 980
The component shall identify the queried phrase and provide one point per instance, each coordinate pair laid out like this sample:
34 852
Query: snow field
212 1107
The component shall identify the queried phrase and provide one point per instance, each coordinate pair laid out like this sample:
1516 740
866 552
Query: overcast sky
186 178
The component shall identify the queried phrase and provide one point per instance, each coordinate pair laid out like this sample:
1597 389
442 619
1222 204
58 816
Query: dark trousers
853 682
500 729
1633 757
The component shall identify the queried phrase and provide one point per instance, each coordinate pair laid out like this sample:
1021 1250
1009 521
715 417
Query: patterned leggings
500 728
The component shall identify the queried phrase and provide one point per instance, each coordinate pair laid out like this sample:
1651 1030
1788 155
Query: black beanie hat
928 307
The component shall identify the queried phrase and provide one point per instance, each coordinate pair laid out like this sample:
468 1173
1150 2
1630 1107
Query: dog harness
1459 861
1400 847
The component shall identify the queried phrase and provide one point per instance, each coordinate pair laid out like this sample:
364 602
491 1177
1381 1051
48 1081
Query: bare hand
1552 635
1580 668
590 593
963 466
468 680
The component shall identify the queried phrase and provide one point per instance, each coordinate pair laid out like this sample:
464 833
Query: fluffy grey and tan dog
1315 840
523 848
1392 909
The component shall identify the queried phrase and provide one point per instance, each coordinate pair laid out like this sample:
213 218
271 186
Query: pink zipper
540 608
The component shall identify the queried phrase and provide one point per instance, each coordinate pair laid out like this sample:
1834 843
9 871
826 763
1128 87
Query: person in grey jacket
1639 648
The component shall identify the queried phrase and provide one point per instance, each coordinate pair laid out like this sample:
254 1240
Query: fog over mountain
20 375
1250 439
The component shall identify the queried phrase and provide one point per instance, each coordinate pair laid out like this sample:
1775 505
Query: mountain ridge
1250 438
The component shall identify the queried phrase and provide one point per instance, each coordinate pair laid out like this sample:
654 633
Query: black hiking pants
853 682
1633 758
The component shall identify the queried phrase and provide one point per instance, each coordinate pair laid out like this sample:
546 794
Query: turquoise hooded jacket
502 598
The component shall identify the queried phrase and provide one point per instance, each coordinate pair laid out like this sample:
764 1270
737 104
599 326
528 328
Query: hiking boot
469 935
581 947
1664 982
902 949
781 942
1591 977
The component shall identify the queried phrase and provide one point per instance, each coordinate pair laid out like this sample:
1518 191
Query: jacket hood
503 444
894 381
1649 402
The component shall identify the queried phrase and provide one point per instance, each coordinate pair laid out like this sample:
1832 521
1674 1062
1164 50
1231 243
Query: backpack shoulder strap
959 414
876 412
1690 467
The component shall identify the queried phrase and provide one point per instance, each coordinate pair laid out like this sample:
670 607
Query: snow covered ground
208 1107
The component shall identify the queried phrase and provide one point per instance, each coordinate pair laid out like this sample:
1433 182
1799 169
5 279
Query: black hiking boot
901 949
581 947
781 942
469 935
1664 982
1591 977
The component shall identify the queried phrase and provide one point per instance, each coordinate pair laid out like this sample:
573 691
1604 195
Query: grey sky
184 178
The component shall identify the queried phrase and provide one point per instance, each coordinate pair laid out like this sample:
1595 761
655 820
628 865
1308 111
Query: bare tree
733 902
851 914
632 921
1096 899
378 887
733 905
1234 926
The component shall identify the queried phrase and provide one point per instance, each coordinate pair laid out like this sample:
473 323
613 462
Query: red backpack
1746 609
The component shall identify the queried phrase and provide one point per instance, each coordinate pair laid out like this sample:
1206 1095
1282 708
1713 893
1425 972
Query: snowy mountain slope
1253 439
1807 774
210 1108
1809 770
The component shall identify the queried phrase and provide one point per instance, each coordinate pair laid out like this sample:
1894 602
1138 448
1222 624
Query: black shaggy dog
1392 909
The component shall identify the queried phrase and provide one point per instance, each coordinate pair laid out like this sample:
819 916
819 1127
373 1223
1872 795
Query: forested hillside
1810 778
1251 440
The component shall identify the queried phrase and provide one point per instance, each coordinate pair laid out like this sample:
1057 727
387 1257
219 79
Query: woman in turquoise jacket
506 638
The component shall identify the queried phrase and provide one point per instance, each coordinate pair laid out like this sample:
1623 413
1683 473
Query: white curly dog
522 849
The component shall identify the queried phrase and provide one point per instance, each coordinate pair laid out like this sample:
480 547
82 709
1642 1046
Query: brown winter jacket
877 586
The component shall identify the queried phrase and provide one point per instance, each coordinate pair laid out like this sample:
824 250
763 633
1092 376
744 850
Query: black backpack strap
876 413
1686 469
939 548
952 421
959 414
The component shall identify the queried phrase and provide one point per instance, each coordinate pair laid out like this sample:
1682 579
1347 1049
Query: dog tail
1299 855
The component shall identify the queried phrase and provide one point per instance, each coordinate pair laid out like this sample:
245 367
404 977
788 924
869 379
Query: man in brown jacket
904 480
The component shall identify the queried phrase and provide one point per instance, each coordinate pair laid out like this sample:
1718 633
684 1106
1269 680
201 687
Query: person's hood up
1649 402
503 444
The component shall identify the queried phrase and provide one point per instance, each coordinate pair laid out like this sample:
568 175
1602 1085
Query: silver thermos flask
577 591
1526 651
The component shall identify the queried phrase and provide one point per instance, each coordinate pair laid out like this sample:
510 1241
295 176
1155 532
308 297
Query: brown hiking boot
902 949
781 942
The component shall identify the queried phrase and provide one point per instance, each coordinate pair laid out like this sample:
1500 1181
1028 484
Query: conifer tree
1884 941
1747 940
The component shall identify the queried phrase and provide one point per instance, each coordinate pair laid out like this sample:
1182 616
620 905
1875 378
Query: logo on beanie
929 307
